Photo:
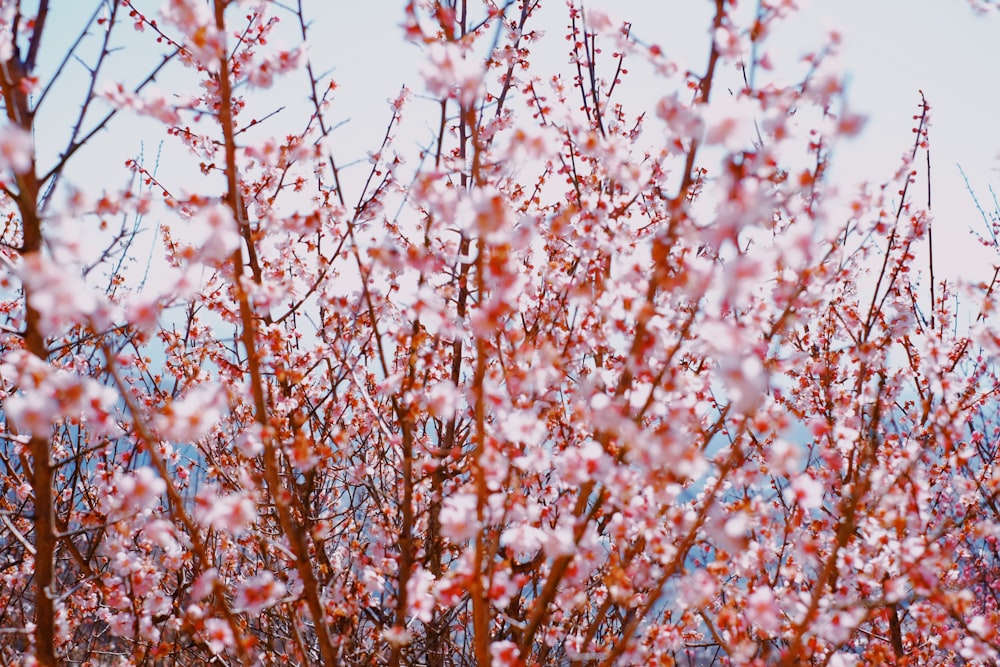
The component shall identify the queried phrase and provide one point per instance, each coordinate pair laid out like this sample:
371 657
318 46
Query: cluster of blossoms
576 383
37 396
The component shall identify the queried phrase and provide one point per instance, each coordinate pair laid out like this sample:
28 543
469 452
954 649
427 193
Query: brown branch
19 112
248 336
876 305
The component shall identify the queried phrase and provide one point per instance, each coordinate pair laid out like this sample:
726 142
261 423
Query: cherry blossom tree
592 374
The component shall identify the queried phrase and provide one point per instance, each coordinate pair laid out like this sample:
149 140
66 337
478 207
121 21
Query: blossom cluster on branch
573 380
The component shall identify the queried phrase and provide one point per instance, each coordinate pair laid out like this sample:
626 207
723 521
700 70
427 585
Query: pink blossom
193 416
397 636
805 491
731 125
458 517
160 106
156 603
850 124
505 654
977 650
233 513
502 588
784 457
579 465
218 635
31 413
121 625
57 292
839 626
143 312
697 589
681 119
137 491
48 394
374 582
17 151
443 399
249 442
419 596
452 73
980 626
527 144
220 235
261 73
8 13
559 542
492 211
161 533
729 41
525 427
523 538
746 381
204 41
23 490
763 609
565 358
203 585
258 593
843 659
895 588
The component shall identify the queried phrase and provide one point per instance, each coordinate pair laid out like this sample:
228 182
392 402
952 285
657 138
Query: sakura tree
590 374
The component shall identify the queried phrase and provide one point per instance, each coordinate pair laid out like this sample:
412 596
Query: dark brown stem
877 304
480 601
20 114
896 631
272 475
202 562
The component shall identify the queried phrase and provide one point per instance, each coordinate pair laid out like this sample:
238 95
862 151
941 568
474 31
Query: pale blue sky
891 49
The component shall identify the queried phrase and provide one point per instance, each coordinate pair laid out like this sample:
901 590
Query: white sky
891 49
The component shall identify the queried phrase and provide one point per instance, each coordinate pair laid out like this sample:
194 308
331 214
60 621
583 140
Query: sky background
891 49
